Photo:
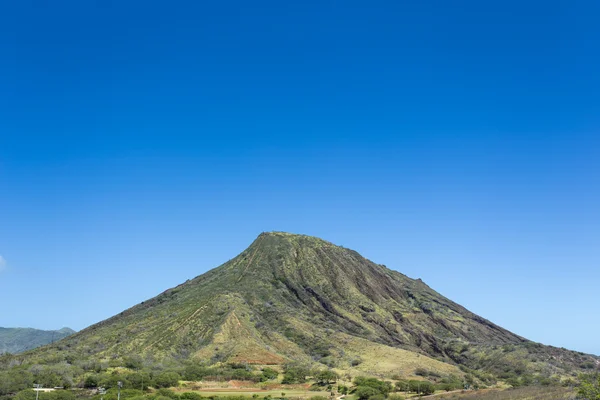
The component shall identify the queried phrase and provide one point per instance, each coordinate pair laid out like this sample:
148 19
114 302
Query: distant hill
17 340
299 298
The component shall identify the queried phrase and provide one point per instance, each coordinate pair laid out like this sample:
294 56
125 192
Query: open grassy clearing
380 360
248 389
249 392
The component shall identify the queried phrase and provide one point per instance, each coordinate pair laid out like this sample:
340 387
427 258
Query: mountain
16 340
298 298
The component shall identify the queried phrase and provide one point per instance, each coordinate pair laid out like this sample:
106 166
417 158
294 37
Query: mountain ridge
16 340
290 297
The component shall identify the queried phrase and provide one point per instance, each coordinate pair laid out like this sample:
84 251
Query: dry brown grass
383 361
527 393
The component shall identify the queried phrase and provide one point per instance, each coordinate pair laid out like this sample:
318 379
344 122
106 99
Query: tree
269 374
427 388
167 380
382 387
196 372
325 377
14 381
365 392
91 381
402 386
140 380
421 387
295 373
133 362
112 380
48 378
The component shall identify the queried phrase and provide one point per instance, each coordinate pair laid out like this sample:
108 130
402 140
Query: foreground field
249 392
528 393
240 388
262 393
225 389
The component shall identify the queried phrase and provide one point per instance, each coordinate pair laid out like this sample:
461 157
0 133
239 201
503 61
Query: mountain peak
298 297
291 236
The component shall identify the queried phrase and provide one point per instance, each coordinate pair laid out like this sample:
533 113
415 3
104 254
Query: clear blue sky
143 143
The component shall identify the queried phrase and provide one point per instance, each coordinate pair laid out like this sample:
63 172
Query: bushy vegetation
371 388
590 387
57 395
295 373
237 371
91 376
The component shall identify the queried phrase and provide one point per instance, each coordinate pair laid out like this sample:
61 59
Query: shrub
190 396
590 387
56 395
242 375
394 396
167 393
125 394
25 395
62 395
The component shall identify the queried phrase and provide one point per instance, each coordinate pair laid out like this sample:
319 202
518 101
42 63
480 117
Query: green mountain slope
294 297
16 340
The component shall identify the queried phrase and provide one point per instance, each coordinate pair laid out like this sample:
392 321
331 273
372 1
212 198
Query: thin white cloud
2 263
